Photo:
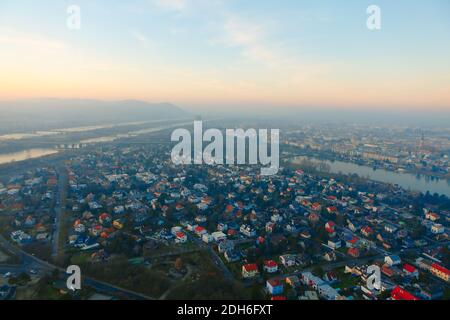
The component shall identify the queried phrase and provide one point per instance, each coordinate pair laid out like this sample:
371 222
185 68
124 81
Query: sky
229 54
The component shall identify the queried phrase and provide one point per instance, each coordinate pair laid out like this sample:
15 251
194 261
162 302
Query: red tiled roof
330 224
180 234
104 216
353 251
270 263
250 267
199 229
387 271
275 298
401 294
440 268
409 268
367 229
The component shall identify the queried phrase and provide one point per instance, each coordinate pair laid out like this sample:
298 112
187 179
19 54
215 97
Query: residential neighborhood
295 235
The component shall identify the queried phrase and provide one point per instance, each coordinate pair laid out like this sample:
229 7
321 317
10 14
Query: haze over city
237 152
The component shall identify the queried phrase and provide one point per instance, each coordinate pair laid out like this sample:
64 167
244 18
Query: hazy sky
217 53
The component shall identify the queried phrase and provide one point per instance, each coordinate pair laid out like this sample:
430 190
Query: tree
318 271
179 264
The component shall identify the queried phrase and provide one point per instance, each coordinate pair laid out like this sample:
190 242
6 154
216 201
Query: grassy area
346 280
3 257
120 272
446 295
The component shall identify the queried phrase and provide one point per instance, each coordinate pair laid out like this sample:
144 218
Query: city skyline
207 55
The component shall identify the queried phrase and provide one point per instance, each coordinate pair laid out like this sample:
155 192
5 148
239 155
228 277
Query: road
363 260
59 209
31 262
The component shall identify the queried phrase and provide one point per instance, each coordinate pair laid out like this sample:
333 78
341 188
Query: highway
62 179
31 262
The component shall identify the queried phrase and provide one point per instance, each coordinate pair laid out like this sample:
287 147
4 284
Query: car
34 271
7 275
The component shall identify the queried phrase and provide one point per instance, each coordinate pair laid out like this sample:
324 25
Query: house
388 271
288 260
104 218
330 277
270 226
118 224
199 231
278 298
43 236
409 270
20 237
305 234
367 231
401 294
119 209
334 244
313 217
231 256
207 238
30 221
232 232
389 228
249 271
432 216
225 246
275 287
329 293
440 272
353 252
191 227
329 227
437 228
79 227
332 210
201 219
352 243
96 230
270 266
247 230
293 281
219 236
307 278
222 227
180 237
392 260
423 264
353 226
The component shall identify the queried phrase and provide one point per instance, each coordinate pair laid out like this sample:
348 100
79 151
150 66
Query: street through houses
59 209
31 262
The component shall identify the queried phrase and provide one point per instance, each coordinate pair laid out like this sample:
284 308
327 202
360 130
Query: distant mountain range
38 114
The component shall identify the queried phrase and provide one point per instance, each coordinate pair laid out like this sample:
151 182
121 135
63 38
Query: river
25 155
41 152
407 181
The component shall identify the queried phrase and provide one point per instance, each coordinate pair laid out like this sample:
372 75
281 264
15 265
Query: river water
407 181
41 152
25 155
